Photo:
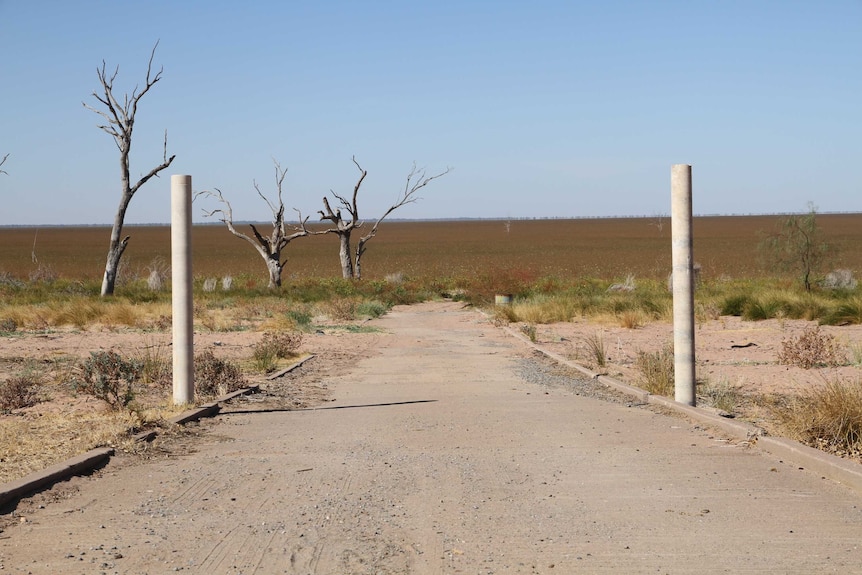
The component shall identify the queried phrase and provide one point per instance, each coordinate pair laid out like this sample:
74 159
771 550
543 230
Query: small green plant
215 377
596 348
274 346
301 317
108 376
529 330
372 309
657 371
811 348
19 391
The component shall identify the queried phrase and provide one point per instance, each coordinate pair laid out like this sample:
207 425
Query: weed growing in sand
657 371
596 348
810 349
720 395
19 391
156 365
274 346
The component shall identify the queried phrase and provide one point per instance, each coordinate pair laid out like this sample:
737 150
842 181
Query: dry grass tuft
657 371
274 346
596 348
829 417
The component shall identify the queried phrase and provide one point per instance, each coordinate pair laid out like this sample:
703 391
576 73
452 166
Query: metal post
683 285
181 289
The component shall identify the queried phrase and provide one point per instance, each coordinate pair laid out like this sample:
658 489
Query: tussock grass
656 369
829 417
595 345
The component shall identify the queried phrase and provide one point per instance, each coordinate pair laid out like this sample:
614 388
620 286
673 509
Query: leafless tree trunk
344 227
121 122
416 180
269 248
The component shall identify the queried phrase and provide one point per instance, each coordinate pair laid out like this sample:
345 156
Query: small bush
657 371
107 376
215 377
274 346
8 325
19 391
300 317
810 349
341 308
372 309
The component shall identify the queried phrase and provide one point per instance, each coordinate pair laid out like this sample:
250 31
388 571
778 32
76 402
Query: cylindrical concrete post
683 285
181 288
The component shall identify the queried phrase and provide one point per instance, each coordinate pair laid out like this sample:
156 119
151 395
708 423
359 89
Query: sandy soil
742 354
433 454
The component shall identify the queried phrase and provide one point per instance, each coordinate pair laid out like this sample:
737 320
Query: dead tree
345 225
121 122
269 248
3 161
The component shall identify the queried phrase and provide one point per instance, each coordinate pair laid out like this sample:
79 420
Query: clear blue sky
543 109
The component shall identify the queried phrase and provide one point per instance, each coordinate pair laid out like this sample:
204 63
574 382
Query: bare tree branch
3 161
269 248
416 180
120 126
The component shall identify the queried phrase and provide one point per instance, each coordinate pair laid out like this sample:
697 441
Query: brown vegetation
523 251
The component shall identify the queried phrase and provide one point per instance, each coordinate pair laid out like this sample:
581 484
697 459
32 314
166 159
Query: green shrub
301 317
372 308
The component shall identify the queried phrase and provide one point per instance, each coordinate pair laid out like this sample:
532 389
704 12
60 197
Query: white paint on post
181 288
683 285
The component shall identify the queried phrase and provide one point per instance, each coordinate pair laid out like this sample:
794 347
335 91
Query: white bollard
683 285
181 289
